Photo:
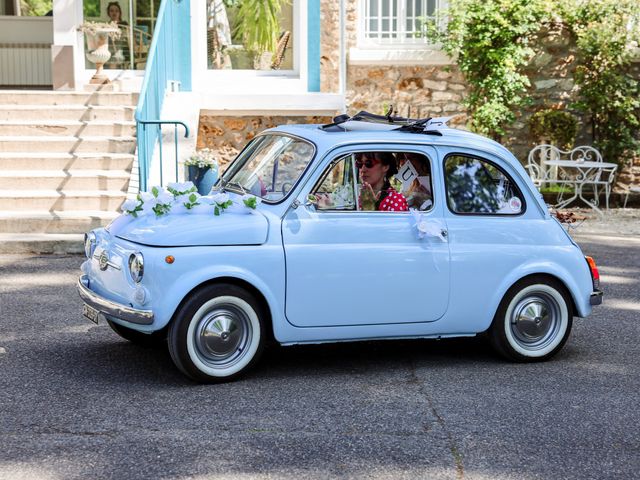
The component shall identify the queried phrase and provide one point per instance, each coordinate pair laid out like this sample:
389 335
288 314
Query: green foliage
491 41
35 8
604 30
259 24
91 8
557 126
250 202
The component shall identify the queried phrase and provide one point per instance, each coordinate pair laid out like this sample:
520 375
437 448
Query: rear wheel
217 334
533 321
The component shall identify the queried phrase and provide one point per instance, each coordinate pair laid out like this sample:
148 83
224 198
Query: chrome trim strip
108 307
596 297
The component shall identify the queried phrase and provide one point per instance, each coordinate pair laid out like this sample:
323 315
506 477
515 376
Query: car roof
326 139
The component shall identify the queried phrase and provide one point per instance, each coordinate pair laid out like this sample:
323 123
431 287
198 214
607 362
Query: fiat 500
356 230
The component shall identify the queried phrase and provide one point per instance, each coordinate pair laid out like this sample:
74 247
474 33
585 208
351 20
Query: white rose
181 187
147 197
164 197
129 205
220 198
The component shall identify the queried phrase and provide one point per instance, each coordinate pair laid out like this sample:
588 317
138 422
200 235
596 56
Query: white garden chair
597 174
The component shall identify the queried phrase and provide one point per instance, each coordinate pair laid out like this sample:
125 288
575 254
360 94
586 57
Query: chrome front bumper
596 297
111 308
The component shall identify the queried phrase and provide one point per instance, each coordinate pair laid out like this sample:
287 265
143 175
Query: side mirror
312 201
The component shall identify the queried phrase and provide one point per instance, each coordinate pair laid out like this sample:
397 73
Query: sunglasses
367 163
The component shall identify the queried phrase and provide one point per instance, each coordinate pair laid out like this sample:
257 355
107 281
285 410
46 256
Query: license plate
90 312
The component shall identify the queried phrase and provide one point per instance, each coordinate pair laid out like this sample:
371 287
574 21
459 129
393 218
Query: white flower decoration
147 197
220 198
181 187
129 205
164 196
431 228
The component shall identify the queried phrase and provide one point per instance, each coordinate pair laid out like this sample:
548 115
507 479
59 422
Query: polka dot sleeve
394 202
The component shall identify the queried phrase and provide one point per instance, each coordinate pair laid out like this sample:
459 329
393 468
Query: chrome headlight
136 266
89 244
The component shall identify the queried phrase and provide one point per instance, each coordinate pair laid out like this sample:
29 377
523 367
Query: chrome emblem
103 261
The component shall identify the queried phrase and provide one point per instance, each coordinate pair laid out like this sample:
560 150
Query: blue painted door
363 268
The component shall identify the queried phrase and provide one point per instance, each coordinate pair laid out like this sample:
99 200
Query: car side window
414 180
476 186
335 191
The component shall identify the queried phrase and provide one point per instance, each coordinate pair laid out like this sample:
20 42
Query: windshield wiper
234 184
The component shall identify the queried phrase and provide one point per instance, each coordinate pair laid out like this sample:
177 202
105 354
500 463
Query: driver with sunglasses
376 193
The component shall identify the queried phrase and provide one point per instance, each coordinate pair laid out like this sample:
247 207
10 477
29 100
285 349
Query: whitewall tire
217 334
533 321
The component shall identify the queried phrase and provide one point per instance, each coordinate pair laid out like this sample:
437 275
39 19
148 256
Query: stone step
38 243
42 221
68 128
66 200
80 113
65 161
63 144
64 180
21 97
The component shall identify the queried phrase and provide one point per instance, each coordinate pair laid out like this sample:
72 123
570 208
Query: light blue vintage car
363 229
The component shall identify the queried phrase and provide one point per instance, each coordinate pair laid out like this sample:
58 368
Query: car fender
578 290
193 268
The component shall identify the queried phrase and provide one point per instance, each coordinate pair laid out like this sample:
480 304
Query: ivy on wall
492 43
490 40
606 32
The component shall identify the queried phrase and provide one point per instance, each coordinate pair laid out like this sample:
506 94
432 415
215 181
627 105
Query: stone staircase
65 166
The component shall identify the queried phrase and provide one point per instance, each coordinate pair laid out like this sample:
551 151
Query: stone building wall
417 91
227 135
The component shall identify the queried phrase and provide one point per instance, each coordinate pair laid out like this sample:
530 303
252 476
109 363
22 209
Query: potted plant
98 34
202 170
257 23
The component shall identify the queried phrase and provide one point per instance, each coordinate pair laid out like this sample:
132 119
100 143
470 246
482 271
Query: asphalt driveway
76 401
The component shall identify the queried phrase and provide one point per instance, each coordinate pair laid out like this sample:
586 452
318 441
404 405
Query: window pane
241 37
414 176
373 26
335 191
476 186
35 8
395 21
373 8
91 9
143 8
431 7
270 166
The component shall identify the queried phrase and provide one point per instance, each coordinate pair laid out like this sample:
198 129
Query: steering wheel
286 186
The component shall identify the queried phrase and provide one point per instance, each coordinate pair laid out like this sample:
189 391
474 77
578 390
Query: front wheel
533 321
217 334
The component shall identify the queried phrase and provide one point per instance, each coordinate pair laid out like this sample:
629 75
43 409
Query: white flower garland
180 198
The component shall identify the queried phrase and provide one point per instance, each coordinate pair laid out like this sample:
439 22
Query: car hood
192 229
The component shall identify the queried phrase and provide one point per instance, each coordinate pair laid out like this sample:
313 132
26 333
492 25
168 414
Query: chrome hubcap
222 335
535 321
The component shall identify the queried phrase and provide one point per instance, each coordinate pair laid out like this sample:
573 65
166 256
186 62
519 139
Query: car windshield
269 167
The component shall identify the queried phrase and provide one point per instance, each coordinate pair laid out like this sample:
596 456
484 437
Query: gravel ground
616 221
